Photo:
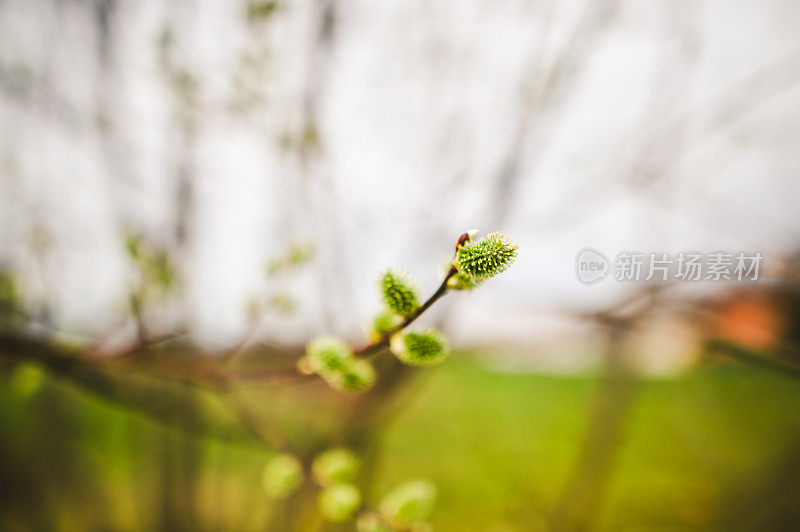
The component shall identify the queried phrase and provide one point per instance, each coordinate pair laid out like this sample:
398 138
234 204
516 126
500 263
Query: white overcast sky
674 126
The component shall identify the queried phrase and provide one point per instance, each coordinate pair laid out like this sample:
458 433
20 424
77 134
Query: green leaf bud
462 281
399 293
371 522
133 245
335 466
282 475
161 271
357 376
339 502
327 356
300 253
383 324
420 348
409 503
487 257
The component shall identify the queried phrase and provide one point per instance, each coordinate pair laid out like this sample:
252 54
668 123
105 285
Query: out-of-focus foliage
154 264
26 379
9 298
409 503
282 475
260 10
298 254
339 502
371 522
78 450
335 466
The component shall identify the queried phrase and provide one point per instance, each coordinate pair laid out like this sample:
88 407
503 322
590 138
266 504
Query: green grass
714 447
501 447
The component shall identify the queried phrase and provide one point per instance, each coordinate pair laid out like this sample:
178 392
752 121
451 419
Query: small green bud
398 293
282 475
383 324
26 380
371 522
487 257
283 303
327 356
462 281
339 502
260 10
161 271
409 503
421 348
333 360
300 253
357 376
295 256
335 466
133 245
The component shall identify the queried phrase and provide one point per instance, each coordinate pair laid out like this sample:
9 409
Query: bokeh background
269 158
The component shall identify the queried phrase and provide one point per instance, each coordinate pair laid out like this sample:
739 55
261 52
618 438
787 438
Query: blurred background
191 190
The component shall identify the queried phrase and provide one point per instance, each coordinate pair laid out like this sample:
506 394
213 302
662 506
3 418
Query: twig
753 357
367 350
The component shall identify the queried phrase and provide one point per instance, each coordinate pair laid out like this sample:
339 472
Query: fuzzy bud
409 503
335 466
327 356
420 348
339 502
399 293
462 281
487 257
371 522
282 475
357 376
383 324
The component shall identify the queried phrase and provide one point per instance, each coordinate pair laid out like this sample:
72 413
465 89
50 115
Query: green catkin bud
357 376
335 466
459 280
462 281
327 356
383 324
371 522
339 502
398 293
420 348
282 475
333 360
409 503
487 257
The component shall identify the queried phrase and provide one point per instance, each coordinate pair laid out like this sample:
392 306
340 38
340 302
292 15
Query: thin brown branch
206 372
367 350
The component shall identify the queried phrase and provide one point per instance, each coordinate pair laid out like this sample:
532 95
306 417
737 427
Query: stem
370 349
